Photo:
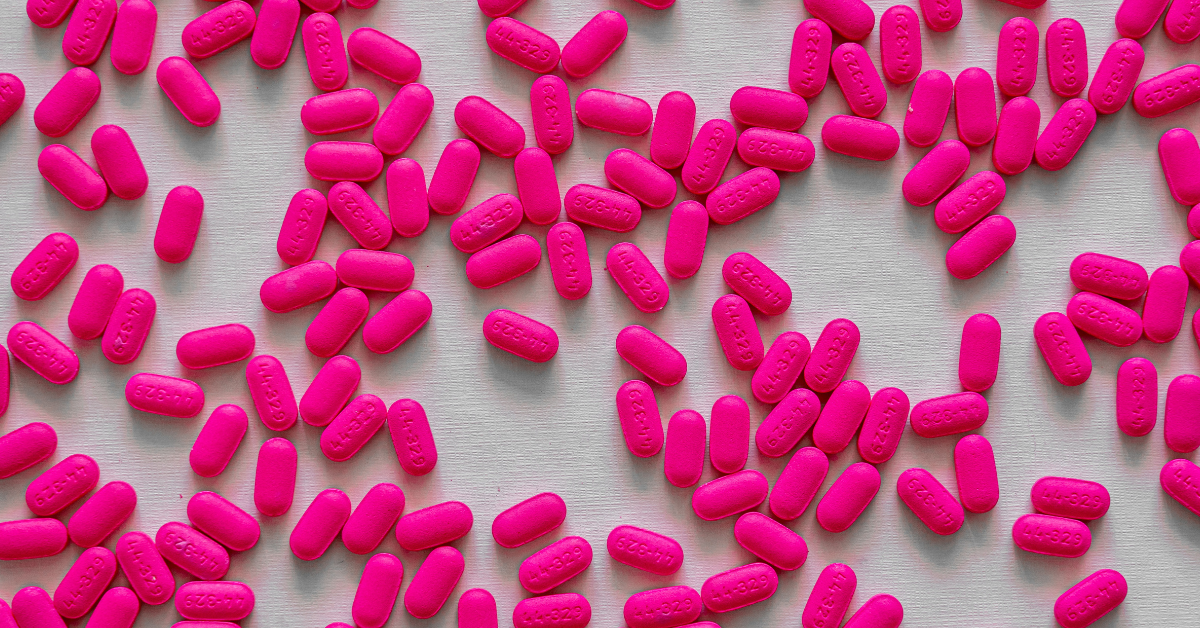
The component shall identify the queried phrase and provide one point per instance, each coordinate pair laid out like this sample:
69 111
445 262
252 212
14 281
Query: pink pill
787 422
1096 595
638 278
1117 75
119 162
32 608
808 68
1182 25
708 156
778 150
67 102
881 611
102 514
188 91
970 202
522 44
324 51
61 485
1178 478
980 247
224 600
118 608
529 520
397 321
1167 92
899 45
640 178
848 497
477 609
742 195
975 106
550 101
433 526
942 15
271 392
841 417
373 519
520 335
851 19
222 520
1166 298
218 29
4 380
320 524
408 199
771 541
613 112
48 13
1181 427
218 440
860 137
949 414
780 368
72 177
555 564
799 481
600 207
25 447
343 161
1016 135
1017 56
178 224
340 111
739 587
537 186
738 332
930 501
729 444
1066 57
1180 157
43 353
641 423
928 108
1065 134
770 108
26 539
486 223
403 119
375 270
337 322
1135 18
453 177
370 49
651 355
352 428
883 425
377 591
1105 319
683 462
12 94
570 267
1137 396
979 352
939 169
330 390
302 225
1053 536
45 266
570 610
215 346
830 597
1062 349
975 471
662 608
490 127
687 232
275 477
296 287
831 355
499 8
274 31
1071 498
503 261
593 45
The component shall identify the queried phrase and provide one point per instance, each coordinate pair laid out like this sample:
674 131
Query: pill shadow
52 400
518 374
1134 448
1046 571
47 43
199 143
937 549
640 472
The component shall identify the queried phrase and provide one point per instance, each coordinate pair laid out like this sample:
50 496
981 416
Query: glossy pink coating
550 103
808 67
778 150
883 425
26 539
411 437
570 267
1017 56
537 186
1180 478
25 447
640 178
970 202
979 352
683 459
1179 155
297 287
32 608
60 485
1065 134
930 501
12 94
848 497
188 91
192 551
330 390
729 444
528 520
1117 76
662 608
949 414
1066 57
397 321
1096 595
377 591
45 266
477 609
742 195
851 19
859 137
1166 298
336 322
1016 135
102 514
272 392
1071 498
739 587
830 597
1137 396
490 127
555 564
831 355
373 518
67 102
353 427
275 477
613 112
780 368
1110 276
687 233
769 108
881 611
218 440
274 31
928 107
1105 319
225 600
453 176
499 8
72 177
344 162
408 199
651 355
375 270
118 608
980 247
45 354
215 346
522 44
1135 18
1181 427
48 13
119 162
486 223
436 525
1170 91
1061 347
340 111
787 422
223 520
900 43
933 175
738 332
641 424
324 51
770 540
320 524
520 335
403 119
601 207
975 106
503 261
840 418
942 15
381 55
1052 536
975 472
594 44
178 224
302 225
218 29
708 156
644 549
145 568
1182 24
637 277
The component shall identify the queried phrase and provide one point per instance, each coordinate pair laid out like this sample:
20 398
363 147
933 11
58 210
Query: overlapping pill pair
1063 504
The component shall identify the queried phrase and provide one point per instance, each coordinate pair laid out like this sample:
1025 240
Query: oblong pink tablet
503 261
1178 478
970 202
640 178
1053 536
1016 135
1071 498
641 424
645 550
32 607
979 352
1065 134
550 102
453 176
119 162
975 472
930 501
770 540
128 326
1117 75
570 267
490 127
397 321
215 346
145 568
486 223
881 611
403 119
408 199
848 497
1105 319
1181 427
522 44
344 162
928 107
48 13
555 564
102 514
26 539
651 355
26 446
939 169
1096 595
67 102
769 108
613 112
708 156
757 284
980 247
188 91
594 44
72 177
729 443
383 55
638 278
808 66
859 137
223 520
275 477
739 587
337 322
1170 91
1062 349
375 270
777 150
949 414
687 232
571 610
302 225
178 224
529 520
436 525
12 94
1066 57
330 390
942 15
520 335
537 186
218 440
738 332
787 422
320 524
339 111
296 287
899 44
975 106
683 461
604 208
742 195
883 425
377 591
274 31
1017 56
353 427
1110 276
1181 24
164 395
658 608
852 19
225 600
780 368
831 355
830 597
798 482
1137 396
60 485
1166 298
373 518
324 51
218 29
45 266
271 392
840 418
1179 155
1135 18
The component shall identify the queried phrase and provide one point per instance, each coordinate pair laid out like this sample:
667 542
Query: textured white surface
840 233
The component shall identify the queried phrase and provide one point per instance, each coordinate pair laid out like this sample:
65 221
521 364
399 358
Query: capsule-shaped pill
339 111
1178 478
645 550
668 606
375 270
848 497
218 440
529 520
757 284
302 226
215 346
641 423
708 156
33 607
683 461
1181 419
119 162
320 524
218 29
1053 536
787 423
377 590
687 232
738 332
48 13
1096 595
408 200
1135 18
979 352
780 368
1017 56
883 425
1066 57
192 551
178 224
60 485
1062 349
275 477
852 19
939 169
950 414
490 127
1170 91
970 202
550 102
72 177
373 518
650 354
403 119
45 266
128 326
640 178
149 577
1069 497
942 15
12 94
830 597
537 186
742 195
840 418
67 102
975 106
571 609
638 278
433 526
486 223
594 44
808 67
798 482
777 150
274 31
164 395
380 54
522 44
729 443
600 207
397 321
353 427
453 177
975 472
1065 134
520 335
1016 135
222 520
324 51
344 162
330 390
1181 24
296 287
26 539
771 541
272 392
928 107
503 261
860 137
900 43
980 247
930 501
1179 155
1137 396
1105 319
831 355
1166 298
613 112
102 514
214 601
570 267
188 91
881 611
769 108
739 587
1116 76
337 322
555 564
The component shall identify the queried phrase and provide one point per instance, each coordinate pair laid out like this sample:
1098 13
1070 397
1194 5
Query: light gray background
840 233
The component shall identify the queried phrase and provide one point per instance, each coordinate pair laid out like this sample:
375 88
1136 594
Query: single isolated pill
770 540
900 43
970 202
522 44
537 186
787 423
942 15
1065 134
188 91
975 106
486 223
708 156
1181 419
1170 91
668 606
883 425
403 119
798 483
67 102
353 427
102 514
520 335
222 520
490 127
928 108
343 161
339 111
640 178
72 177
377 591
528 520
127 328
729 443
1063 350
555 564
830 597
433 526
780 367
1137 396
1052 536
1178 478
275 477
453 176
178 224
330 390
808 65
1117 76
550 104
25 447
975 472
683 459
930 501
841 417
12 94
44 267
26 539
61 485
881 611
145 568
1166 298
215 346
644 549
1071 498
118 608
373 518
1017 56
1181 24
777 150
594 44
164 395
613 112
218 440
1096 595
1105 319
851 19
848 497
641 424
274 32
214 601
723 592
570 267
302 226
933 175
860 137
1110 276
981 247
337 322
119 162
1016 135
738 332
324 51
979 352
949 414
382 55
477 609
1179 155
397 321
320 524
638 278
271 392
42 352
218 29
503 261
1066 57
297 287
603 208
408 199
762 107
742 195
651 355
831 355
1135 18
